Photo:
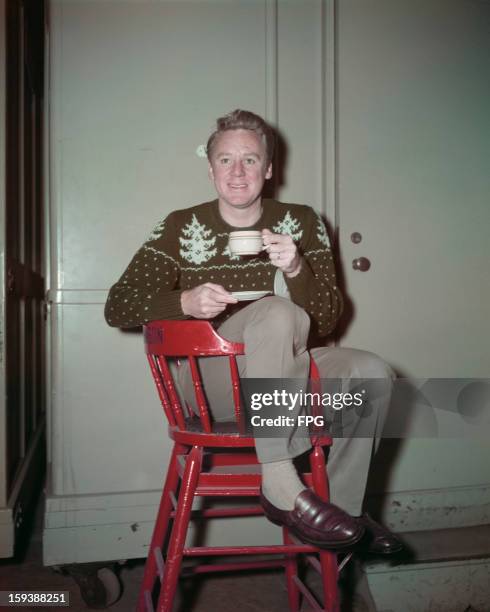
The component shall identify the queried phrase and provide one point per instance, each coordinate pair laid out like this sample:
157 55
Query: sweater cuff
168 308
298 285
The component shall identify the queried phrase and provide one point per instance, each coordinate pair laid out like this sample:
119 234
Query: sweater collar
263 221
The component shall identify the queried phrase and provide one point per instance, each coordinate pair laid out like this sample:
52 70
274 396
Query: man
185 270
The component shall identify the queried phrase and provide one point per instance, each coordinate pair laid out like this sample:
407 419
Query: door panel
413 180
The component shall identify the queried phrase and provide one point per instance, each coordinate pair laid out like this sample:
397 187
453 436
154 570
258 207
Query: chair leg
161 526
291 566
329 565
328 560
319 473
179 529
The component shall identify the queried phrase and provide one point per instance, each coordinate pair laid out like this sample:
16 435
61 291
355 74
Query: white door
413 169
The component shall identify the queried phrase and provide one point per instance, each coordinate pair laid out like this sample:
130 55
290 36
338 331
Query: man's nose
238 168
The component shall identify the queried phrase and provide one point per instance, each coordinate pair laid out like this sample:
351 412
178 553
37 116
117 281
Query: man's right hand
205 301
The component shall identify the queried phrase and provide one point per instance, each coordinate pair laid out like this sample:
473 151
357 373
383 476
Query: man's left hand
282 251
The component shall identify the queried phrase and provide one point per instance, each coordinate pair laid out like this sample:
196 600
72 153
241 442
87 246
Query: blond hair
244 120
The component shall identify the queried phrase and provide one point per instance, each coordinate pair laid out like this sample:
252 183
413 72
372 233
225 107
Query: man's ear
210 172
268 173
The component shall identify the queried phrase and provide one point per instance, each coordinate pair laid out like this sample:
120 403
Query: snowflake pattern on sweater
190 248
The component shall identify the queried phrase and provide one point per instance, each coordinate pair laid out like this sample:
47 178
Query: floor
262 591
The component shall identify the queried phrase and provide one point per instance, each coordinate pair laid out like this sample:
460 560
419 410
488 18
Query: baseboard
433 508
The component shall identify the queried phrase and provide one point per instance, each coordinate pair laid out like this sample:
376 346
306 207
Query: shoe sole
320 543
385 552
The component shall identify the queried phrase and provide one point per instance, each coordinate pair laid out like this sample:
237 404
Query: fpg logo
308 419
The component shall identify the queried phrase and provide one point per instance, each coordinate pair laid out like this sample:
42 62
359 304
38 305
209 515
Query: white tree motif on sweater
197 246
157 231
289 225
322 232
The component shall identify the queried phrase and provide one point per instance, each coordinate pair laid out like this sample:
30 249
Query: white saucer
243 296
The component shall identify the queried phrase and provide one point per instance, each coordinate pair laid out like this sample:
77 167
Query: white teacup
247 242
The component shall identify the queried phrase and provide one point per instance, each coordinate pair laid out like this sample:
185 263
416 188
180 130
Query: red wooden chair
193 466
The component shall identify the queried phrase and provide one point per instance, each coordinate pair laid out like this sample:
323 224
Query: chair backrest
166 340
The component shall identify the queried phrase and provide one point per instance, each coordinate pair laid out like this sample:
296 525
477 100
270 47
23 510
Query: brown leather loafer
316 522
379 539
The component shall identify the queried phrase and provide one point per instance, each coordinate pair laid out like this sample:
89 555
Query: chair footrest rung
173 500
231 566
227 491
148 602
157 552
275 549
315 564
226 512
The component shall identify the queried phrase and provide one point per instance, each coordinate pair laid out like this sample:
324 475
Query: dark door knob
361 263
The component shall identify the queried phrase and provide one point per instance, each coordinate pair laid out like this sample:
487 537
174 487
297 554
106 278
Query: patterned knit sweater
190 247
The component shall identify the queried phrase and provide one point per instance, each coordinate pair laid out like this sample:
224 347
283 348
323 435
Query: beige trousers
275 331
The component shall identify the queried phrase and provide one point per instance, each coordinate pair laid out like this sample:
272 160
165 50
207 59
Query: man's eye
224 160
250 161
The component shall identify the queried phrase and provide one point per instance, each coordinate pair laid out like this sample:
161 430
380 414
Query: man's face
238 168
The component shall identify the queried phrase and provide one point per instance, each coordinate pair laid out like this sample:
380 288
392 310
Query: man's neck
241 217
